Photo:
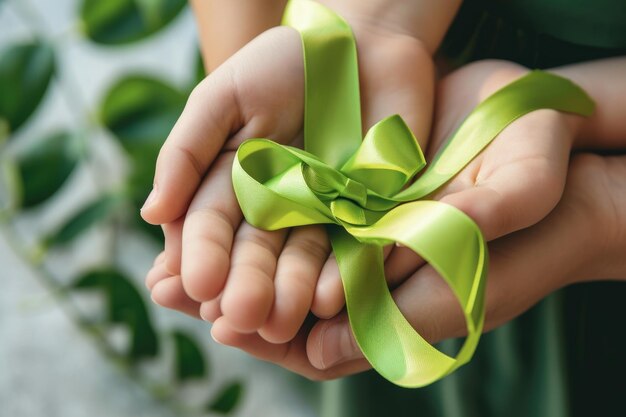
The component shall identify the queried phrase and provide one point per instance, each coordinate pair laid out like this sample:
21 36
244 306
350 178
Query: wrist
423 21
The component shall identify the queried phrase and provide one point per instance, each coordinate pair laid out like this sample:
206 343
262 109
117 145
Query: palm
520 176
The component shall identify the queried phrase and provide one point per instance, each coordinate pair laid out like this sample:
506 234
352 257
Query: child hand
258 93
241 99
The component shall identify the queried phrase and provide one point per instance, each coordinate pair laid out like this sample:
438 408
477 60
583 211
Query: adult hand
525 267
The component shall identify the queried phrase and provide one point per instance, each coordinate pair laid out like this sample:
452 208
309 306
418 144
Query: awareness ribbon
362 190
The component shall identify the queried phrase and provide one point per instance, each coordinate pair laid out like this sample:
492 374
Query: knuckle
216 219
311 246
262 240
191 159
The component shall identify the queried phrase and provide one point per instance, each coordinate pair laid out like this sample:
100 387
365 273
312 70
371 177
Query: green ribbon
363 191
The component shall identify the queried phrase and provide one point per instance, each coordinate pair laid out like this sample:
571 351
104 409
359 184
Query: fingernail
202 313
338 346
152 298
214 339
151 198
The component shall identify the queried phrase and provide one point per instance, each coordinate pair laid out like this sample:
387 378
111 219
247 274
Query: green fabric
598 23
564 357
505 29
366 190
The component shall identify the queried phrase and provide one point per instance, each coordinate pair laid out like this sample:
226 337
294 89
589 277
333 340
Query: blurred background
89 90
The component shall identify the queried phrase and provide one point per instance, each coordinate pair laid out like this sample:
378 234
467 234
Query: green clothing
597 23
500 29
564 357
567 355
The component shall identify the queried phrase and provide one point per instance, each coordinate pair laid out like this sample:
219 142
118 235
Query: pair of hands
258 287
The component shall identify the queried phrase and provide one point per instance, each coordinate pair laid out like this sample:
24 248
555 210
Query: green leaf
190 362
25 74
84 219
121 21
45 166
140 112
125 306
227 399
4 129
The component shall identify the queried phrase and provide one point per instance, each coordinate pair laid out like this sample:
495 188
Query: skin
581 206
275 275
594 190
257 268
225 26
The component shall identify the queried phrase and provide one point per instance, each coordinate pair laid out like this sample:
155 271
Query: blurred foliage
190 362
227 400
138 110
25 74
82 220
125 306
114 22
45 166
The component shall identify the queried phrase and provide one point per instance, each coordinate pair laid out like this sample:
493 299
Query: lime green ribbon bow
363 191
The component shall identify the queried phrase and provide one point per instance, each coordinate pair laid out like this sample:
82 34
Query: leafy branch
137 111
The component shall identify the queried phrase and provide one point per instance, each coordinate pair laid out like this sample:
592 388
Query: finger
249 291
169 293
404 85
229 99
208 232
173 234
156 273
298 269
159 258
424 299
211 310
329 297
291 355
401 263
209 117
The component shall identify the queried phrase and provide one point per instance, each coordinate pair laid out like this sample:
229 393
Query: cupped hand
214 264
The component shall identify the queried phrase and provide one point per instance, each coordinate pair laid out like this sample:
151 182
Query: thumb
331 342
425 300
488 208
507 203
242 98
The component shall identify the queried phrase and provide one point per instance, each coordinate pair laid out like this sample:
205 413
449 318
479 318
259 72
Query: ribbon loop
388 157
361 190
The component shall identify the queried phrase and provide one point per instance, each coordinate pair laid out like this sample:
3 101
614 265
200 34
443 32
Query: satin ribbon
362 190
